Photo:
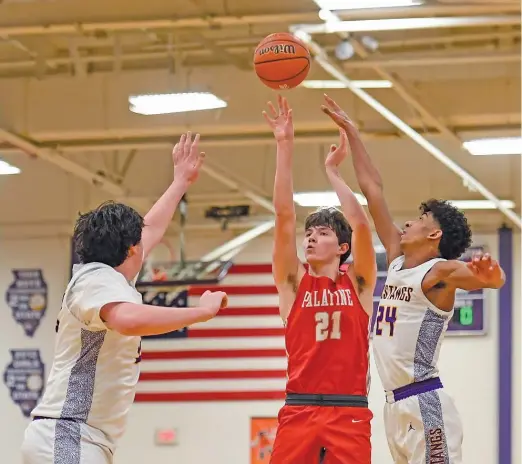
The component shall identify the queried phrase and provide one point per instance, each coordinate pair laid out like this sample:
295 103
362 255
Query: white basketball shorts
424 429
51 441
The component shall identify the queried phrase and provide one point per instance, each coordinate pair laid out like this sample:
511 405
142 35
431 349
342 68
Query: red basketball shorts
323 434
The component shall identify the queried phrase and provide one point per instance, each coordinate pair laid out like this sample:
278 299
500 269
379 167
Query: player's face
421 230
321 245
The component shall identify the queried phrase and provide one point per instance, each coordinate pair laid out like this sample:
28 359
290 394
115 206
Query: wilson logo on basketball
277 49
281 61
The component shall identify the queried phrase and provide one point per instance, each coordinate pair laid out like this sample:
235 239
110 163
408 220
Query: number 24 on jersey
385 315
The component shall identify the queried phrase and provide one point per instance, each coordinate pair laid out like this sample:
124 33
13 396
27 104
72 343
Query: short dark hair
105 234
334 219
456 233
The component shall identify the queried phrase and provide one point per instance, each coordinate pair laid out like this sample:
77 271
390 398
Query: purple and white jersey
408 328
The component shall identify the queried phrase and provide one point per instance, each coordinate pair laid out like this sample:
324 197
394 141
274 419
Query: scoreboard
469 316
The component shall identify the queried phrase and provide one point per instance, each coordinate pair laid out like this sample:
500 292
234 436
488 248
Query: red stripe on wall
237 311
212 354
251 269
219 333
234 289
212 375
209 396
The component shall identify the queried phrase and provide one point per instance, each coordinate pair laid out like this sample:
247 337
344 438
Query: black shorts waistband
305 399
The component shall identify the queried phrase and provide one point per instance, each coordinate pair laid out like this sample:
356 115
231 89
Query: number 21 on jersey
385 315
327 326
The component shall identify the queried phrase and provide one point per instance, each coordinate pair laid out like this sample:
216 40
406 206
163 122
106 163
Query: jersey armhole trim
395 261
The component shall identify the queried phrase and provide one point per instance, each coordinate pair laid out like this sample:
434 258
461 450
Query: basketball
282 61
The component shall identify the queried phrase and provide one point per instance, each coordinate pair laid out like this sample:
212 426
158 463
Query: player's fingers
327 111
343 137
175 153
194 146
286 108
490 263
188 143
272 109
281 104
332 103
268 119
224 300
199 161
333 115
289 117
472 267
181 142
484 262
181 147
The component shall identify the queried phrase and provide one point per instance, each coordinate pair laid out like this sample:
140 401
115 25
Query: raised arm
369 180
363 252
187 161
286 268
481 272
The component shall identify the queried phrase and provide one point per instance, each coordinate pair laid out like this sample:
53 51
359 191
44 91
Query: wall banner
27 298
24 377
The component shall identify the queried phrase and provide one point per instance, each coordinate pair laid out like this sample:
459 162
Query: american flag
238 355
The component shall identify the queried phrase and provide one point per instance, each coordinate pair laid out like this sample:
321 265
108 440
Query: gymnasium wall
220 432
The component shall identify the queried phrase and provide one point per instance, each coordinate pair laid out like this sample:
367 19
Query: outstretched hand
338 115
486 269
280 120
187 158
337 154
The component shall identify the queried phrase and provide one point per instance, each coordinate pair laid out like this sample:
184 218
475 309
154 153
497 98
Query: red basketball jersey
327 339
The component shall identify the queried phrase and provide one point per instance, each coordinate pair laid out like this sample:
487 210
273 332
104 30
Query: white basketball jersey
95 370
408 328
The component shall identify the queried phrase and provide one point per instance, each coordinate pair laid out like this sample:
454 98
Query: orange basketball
282 61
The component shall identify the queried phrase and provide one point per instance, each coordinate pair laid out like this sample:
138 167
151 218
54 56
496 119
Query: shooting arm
363 252
457 274
141 320
371 185
285 262
160 215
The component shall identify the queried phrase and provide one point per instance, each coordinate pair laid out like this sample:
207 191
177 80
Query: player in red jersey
326 313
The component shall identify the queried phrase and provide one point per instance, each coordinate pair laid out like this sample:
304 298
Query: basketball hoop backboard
172 273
